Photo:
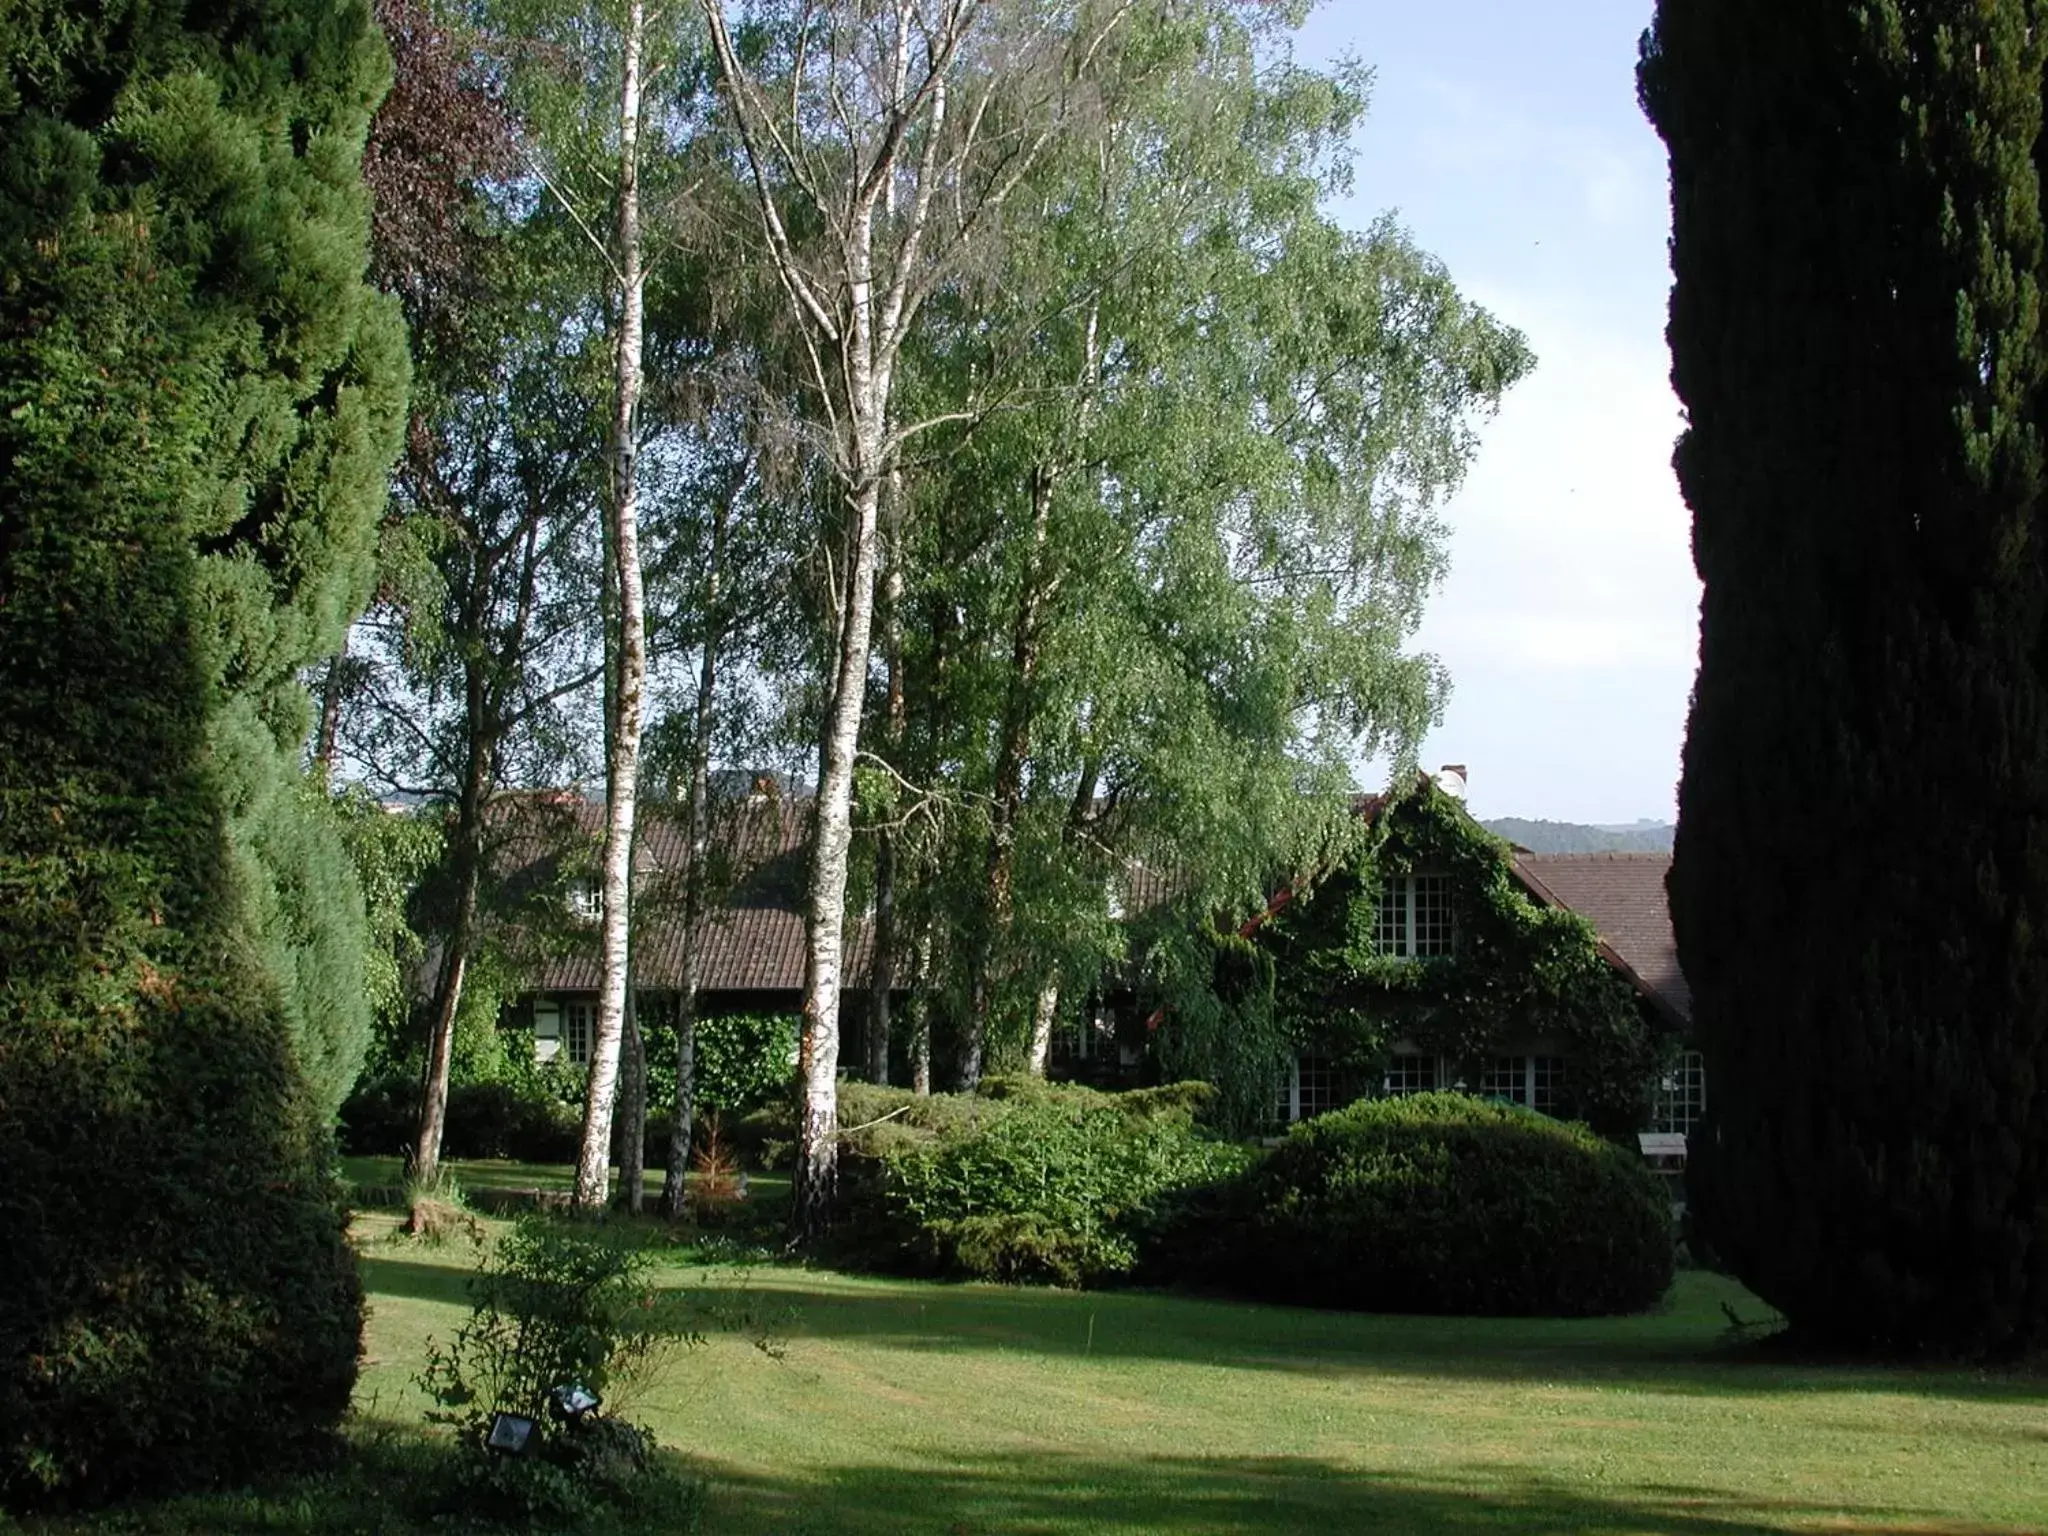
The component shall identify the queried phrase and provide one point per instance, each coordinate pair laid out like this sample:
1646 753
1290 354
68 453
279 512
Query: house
1434 864
1414 1015
1623 896
749 945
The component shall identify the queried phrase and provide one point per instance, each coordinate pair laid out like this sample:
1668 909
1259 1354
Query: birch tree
581 77
882 143
1179 569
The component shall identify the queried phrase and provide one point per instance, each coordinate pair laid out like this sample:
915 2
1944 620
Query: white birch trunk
825 922
1042 1017
593 1170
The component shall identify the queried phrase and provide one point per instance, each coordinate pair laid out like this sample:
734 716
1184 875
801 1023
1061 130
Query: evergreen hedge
199 401
1860 878
182 1308
1442 1203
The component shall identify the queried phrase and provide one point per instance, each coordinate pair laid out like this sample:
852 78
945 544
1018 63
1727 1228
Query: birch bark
593 1170
874 82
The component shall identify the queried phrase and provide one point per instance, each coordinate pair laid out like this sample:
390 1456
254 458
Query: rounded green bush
1030 1181
1444 1203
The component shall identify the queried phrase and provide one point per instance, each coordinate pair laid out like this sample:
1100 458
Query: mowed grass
900 1407
480 1173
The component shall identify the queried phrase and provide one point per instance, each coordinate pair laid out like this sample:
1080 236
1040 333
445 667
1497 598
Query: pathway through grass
903 1407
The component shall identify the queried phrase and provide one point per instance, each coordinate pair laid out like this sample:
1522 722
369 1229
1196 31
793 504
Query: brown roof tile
753 941
1622 896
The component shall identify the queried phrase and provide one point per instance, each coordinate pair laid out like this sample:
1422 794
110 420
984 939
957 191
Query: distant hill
1570 837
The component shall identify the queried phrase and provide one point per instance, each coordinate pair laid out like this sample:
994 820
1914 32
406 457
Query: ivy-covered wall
1310 978
1519 972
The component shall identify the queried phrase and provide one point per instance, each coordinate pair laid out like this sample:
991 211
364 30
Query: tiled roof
751 941
1622 896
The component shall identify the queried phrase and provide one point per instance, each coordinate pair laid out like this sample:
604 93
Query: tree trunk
882 967
825 928
1008 795
673 1194
330 713
623 769
1046 1012
1042 1017
468 860
918 1017
882 973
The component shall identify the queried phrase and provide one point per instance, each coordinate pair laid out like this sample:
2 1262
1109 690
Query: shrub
554 1306
520 1121
1449 1204
551 1307
1030 1181
744 1061
717 1186
181 1306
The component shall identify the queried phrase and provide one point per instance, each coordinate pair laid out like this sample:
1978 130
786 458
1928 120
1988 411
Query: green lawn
480 1173
899 1407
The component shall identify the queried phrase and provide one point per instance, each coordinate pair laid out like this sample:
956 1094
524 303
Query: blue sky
1505 136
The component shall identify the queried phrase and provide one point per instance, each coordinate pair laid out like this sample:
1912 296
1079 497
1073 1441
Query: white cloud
1569 619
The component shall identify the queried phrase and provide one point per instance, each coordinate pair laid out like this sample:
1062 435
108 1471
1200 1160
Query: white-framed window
1682 1095
1069 1043
1310 1087
1408 1074
579 1028
1090 1036
586 901
1505 1077
1415 920
1532 1081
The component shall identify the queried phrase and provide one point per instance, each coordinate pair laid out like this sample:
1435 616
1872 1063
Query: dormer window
586 902
1414 920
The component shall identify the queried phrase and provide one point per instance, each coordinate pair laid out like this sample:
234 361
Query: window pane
1505 1077
1682 1095
1318 1077
1409 1074
1548 1081
579 1025
1390 923
1433 930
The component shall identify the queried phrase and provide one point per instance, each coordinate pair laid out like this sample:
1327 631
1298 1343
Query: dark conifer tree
1861 879
199 402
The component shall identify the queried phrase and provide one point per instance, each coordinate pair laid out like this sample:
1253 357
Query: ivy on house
1519 971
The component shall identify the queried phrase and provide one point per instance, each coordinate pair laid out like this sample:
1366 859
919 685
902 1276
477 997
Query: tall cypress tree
199 401
1861 880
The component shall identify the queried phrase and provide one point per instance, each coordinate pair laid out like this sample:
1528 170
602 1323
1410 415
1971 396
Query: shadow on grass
1056 1495
413 1280
1682 1349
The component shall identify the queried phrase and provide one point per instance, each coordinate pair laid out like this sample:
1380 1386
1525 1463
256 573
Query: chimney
1451 780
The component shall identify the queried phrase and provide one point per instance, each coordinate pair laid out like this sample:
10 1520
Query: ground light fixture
571 1401
511 1433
